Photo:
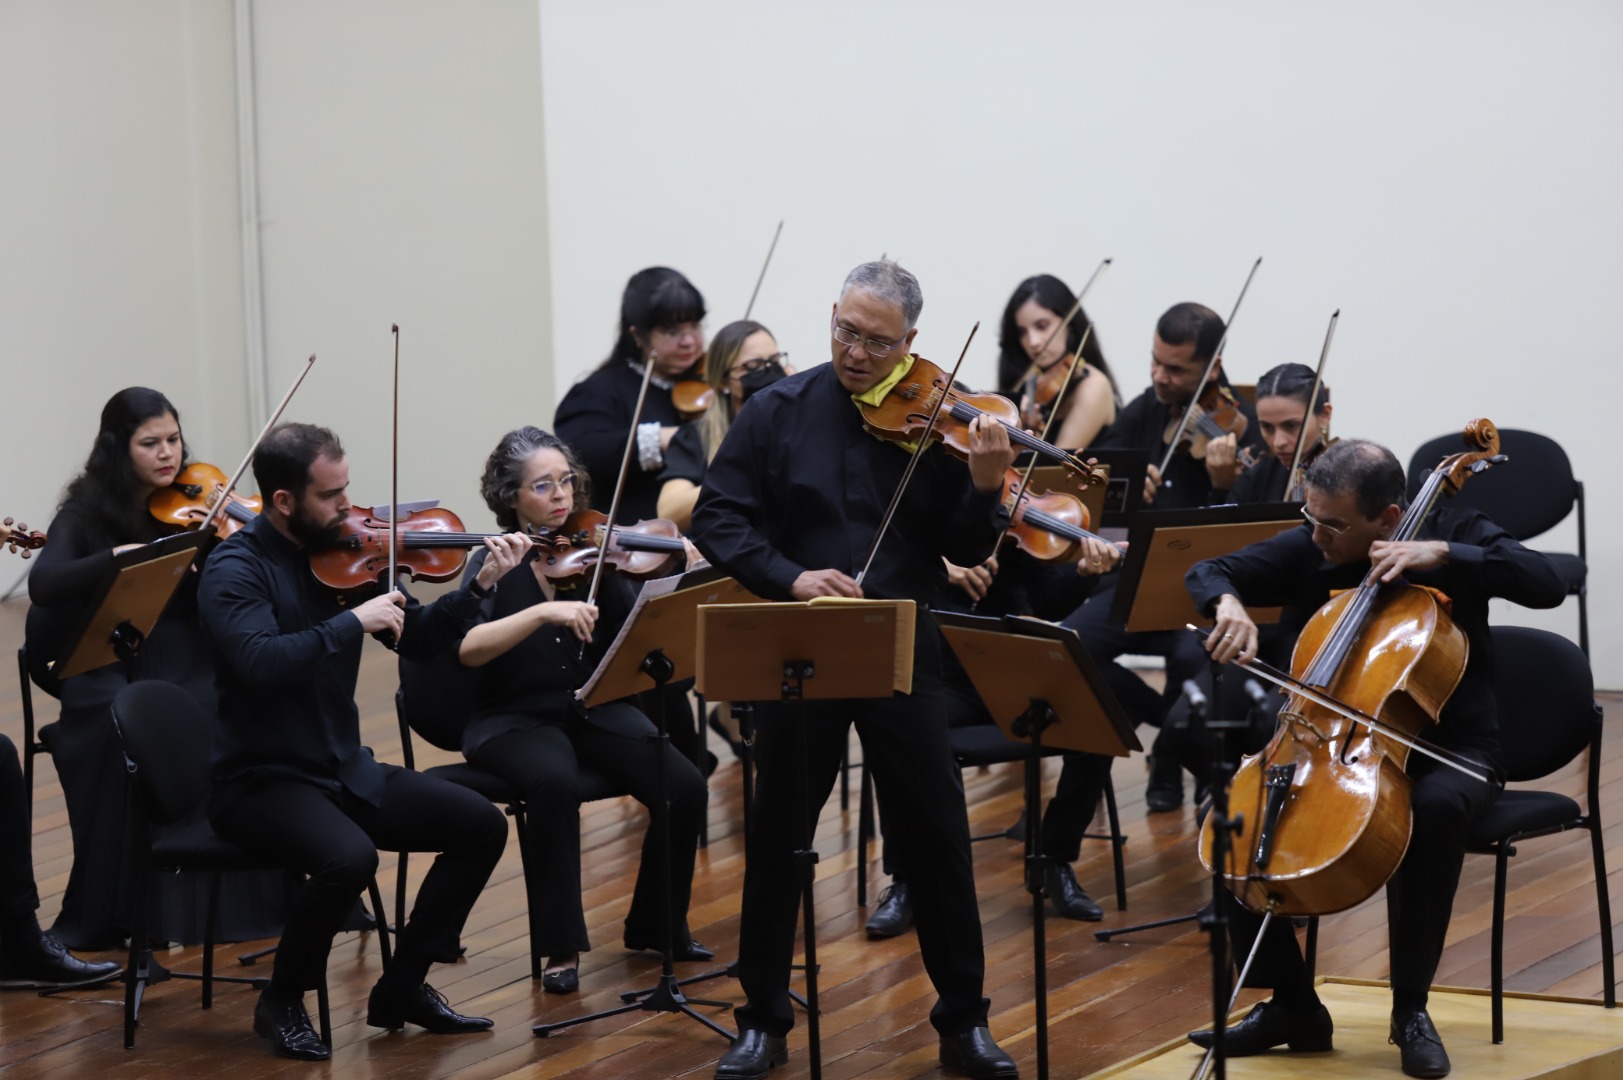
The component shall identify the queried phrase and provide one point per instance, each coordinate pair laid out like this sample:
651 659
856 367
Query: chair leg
531 906
382 920
1603 904
324 1012
1117 842
137 968
1500 871
845 778
1312 950
865 831
400 892
208 939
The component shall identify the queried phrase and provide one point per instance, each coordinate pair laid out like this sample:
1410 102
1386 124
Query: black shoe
974 1053
394 1006
566 981
450 955
721 729
1418 1042
1267 1026
893 915
287 1026
1067 896
1165 789
692 952
43 962
753 1054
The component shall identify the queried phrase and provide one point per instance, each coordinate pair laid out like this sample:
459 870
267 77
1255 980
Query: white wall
1446 174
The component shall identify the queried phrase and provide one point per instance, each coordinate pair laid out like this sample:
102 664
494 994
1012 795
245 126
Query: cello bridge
1302 722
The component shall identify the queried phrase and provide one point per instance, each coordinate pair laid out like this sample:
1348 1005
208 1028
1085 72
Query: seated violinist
1355 495
291 778
1284 420
530 729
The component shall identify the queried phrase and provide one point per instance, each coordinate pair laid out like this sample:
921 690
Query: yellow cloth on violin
875 394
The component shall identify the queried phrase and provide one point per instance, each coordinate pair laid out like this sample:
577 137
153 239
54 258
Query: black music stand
833 648
1060 700
656 642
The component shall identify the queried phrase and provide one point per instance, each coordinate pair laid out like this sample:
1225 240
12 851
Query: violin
188 500
647 549
1296 481
693 397
1049 527
1215 415
1371 670
432 547
904 415
1039 389
17 538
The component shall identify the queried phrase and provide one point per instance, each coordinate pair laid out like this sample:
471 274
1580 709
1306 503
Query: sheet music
651 590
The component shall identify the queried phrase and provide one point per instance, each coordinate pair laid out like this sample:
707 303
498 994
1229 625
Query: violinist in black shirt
1284 420
291 778
790 506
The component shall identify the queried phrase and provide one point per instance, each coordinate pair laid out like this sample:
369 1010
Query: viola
18 538
1050 526
432 546
693 397
647 549
1327 801
1215 415
188 500
905 413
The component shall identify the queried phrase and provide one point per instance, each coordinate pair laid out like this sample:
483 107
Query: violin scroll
17 538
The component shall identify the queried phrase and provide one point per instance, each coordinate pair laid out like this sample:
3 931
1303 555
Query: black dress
98 903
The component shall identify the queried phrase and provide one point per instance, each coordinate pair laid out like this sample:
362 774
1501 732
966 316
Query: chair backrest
436 699
1546 697
1528 495
168 739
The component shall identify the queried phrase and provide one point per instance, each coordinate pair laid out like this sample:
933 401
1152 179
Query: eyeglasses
544 486
682 330
1333 530
760 363
871 346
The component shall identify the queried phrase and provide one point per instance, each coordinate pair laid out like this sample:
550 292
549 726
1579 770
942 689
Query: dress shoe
44 962
562 981
1267 1026
692 952
1418 1042
893 916
720 728
753 1054
975 1054
1067 896
1165 789
287 1026
394 1005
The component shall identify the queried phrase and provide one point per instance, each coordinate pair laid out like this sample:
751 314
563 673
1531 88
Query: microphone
1254 691
1195 696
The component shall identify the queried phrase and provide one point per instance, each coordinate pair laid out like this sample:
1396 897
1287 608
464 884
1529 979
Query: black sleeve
68 568
594 418
237 601
685 456
1269 573
727 518
434 629
1491 561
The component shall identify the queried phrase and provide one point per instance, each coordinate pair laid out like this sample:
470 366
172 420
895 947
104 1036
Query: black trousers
19 896
1419 897
904 742
544 762
334 838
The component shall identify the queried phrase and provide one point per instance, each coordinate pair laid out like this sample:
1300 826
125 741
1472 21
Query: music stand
824 649
129 600
1060 701
656 642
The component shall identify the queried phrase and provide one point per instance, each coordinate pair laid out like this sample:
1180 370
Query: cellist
1355 496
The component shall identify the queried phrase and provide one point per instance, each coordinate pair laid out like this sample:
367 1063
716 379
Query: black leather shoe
44 962
1422 1049
681 954
1067 896
893 916
1165 790
394 1006
1267 1026
287 1026
565 981
974 1054
753 1054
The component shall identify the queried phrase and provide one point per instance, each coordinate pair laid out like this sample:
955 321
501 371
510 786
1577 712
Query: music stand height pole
1030 726
795 674
1224 829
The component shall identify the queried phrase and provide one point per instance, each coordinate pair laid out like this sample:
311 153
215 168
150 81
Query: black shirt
594 418
1484 561
799 485
1263 482
1142 425
686 457
288 656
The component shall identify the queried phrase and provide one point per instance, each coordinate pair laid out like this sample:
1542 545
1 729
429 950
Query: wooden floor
1108 1002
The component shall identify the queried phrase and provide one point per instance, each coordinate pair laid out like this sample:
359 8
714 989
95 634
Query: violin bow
620 484
1063 323
394 471
236 477
1312 401
762 275
1205 376
913 462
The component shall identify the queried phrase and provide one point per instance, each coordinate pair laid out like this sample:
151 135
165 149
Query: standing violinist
790 506
139 449
1355 497
1033 361
291 778
531 730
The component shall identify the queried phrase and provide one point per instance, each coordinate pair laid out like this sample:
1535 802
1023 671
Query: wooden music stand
1059 700
827 648
129 601
1164 544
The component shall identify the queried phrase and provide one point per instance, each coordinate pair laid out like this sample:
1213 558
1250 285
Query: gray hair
889 282
504 472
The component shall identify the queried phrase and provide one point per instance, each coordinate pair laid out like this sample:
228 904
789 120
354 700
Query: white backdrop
1446 174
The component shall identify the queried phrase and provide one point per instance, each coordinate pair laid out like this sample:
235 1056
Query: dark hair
1185 323
107 491
1293 381
719 360
657 298
504 472
1051 293
1368 470
283 460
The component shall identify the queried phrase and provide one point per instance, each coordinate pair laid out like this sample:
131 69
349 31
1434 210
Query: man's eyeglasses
544 486
760 363
1333 530
871 346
